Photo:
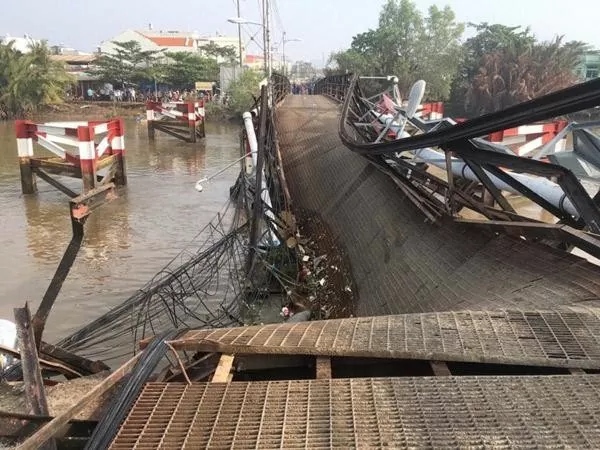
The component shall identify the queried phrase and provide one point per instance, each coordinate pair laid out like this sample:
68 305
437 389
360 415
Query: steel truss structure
477 171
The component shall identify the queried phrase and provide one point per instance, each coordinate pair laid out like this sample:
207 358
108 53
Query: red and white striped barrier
192 114
527 138
83 148
431 111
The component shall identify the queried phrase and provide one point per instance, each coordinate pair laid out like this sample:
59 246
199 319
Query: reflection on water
126 241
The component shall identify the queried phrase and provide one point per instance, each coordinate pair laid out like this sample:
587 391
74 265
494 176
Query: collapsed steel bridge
457 307
577 212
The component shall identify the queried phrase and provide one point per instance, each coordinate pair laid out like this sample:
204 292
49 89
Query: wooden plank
67 371
440 368
35 394
55 425
55 183
71 360
576 371
223 369
57 167
323 366
105 161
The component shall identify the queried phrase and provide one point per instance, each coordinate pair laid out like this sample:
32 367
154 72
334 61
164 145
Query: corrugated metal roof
74 59
171 41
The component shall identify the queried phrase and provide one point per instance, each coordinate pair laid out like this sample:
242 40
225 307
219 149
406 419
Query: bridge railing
334 86
281 87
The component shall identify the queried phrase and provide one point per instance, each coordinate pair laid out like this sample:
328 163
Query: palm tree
30 80
516 74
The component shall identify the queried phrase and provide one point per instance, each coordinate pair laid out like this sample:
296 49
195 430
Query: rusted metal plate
440 412
569 337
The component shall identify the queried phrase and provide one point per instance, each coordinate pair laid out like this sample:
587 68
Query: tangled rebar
211 283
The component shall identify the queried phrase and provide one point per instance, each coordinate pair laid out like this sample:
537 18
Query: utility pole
239 34
267 46
264 27
283 55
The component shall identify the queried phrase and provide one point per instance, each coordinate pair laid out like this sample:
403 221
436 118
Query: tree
303 70
408 45
504 66
229 53
489 39
128 65
243 91
183 69
30 80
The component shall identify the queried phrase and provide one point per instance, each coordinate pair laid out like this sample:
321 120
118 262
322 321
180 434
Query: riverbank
106 110
89 111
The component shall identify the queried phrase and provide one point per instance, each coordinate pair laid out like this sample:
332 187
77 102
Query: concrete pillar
25 153
191 115
200 116
118 149
150 119
87 157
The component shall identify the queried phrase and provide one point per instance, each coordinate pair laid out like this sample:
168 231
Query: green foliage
31 80
183 69
408 45
303 70
129 64
229 54
243 91
504 66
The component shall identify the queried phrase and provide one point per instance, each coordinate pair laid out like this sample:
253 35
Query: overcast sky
323 25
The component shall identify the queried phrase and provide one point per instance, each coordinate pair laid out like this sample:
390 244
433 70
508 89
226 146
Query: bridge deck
567 338
442 412
400 263
481 298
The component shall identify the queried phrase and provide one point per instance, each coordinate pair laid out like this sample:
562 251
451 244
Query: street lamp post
284 40
239 21
266 12
239 25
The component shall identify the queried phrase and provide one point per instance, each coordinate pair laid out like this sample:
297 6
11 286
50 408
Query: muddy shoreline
101 110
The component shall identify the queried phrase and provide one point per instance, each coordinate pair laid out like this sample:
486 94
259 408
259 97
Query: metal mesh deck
400 263
444 412
561 338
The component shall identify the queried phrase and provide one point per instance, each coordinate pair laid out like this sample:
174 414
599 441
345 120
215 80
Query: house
171 41
590 66
254 62
21 44
78 67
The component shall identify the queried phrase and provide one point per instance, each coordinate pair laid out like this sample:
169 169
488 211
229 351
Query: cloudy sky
323 25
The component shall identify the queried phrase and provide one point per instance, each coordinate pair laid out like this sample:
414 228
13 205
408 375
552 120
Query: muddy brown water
127 241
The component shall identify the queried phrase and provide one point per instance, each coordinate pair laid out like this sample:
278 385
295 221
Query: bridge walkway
400 262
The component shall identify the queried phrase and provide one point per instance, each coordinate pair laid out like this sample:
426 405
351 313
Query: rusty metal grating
444 412
560 338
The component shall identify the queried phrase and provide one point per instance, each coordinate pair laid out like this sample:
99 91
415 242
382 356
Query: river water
126 241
